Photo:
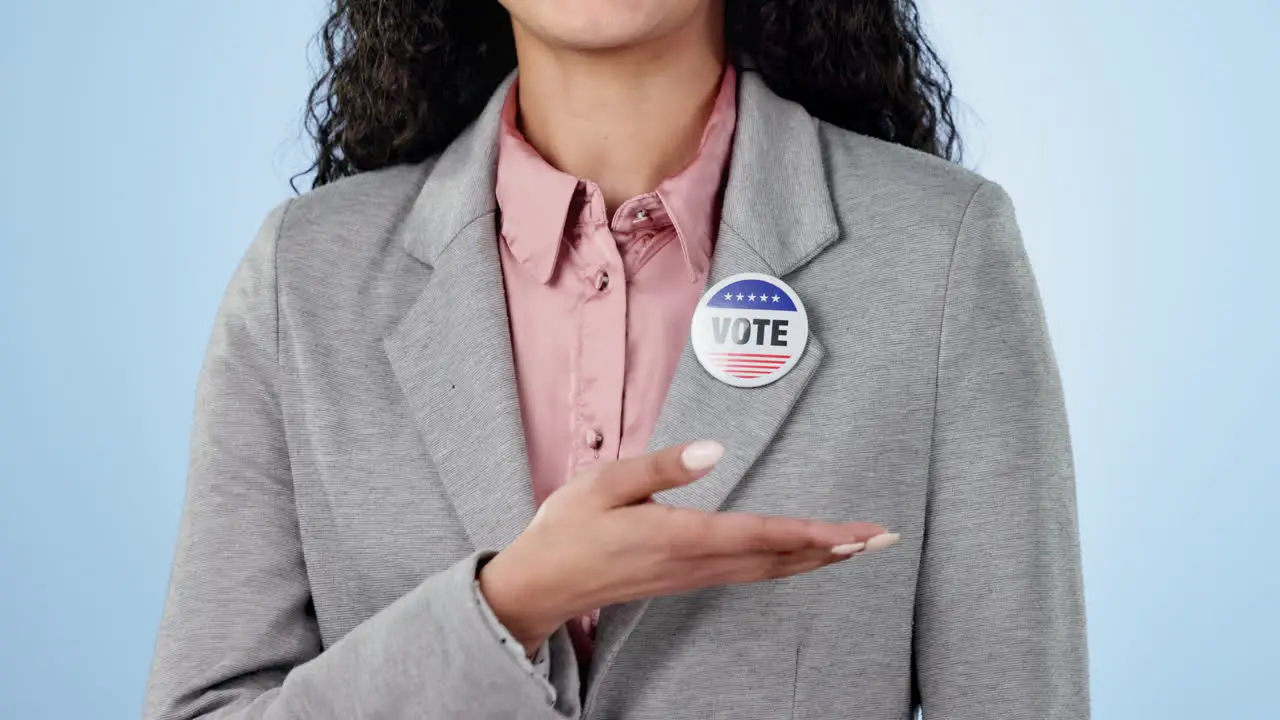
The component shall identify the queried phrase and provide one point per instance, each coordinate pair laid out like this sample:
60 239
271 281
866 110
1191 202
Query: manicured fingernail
701 455
881 542
849 549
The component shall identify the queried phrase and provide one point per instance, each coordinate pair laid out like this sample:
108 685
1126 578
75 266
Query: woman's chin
601 25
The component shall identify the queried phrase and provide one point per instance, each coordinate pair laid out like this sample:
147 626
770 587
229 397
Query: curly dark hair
402 78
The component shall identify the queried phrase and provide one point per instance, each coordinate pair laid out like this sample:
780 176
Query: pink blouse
599 307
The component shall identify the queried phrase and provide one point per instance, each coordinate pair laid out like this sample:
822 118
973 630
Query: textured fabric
599 308
538 666
358 446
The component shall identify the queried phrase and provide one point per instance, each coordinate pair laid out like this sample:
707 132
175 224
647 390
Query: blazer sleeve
1000 625
239 638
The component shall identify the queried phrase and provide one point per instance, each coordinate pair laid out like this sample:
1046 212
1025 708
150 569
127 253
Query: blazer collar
459 187
776 195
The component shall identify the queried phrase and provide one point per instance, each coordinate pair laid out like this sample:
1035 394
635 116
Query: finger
758 567
743 533
768 566
698 573
631 481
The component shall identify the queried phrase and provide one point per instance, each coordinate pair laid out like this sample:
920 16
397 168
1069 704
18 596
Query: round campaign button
749 330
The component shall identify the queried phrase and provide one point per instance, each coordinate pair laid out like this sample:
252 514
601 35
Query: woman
503 293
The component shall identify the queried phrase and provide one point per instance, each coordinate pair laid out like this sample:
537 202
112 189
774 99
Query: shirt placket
602 343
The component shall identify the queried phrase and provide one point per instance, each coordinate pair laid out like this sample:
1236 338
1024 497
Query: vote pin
749 330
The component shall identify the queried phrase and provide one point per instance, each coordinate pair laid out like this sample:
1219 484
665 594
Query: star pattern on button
753 298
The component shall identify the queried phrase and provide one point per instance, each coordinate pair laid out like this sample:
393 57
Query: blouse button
602 281
593 439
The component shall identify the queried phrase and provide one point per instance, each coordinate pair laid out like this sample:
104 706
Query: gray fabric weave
357 447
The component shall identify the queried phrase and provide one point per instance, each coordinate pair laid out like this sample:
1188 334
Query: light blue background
143 142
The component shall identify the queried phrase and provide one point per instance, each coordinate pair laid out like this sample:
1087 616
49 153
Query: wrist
519 602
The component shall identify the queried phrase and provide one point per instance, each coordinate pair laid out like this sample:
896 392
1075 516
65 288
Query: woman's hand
599 541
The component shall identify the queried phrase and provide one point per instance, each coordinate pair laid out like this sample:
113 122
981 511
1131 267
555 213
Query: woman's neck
627 118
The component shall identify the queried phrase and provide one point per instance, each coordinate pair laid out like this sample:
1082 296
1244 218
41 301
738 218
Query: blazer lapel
777 214
452 351
744 419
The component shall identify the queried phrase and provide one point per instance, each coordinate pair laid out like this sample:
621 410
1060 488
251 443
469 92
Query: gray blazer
357 448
